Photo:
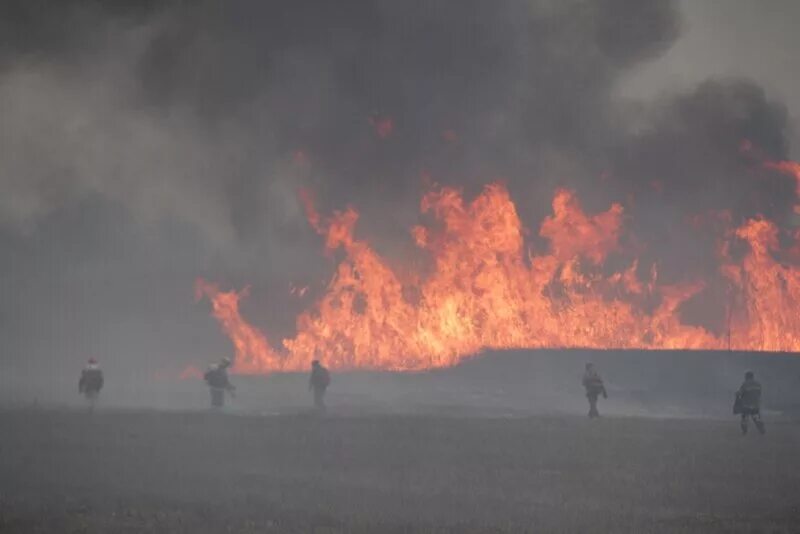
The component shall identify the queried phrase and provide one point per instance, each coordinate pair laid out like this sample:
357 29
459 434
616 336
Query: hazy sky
145 144
721 38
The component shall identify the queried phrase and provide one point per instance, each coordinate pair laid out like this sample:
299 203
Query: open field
524 382
149 471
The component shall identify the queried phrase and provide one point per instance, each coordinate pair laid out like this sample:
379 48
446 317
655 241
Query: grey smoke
144 146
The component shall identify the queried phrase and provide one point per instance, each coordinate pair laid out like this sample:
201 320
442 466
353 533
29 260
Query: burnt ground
150 471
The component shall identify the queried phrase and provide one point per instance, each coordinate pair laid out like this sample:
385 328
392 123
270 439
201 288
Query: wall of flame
483 288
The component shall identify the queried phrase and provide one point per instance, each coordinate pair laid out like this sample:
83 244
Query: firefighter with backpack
747 403
91 382
318 382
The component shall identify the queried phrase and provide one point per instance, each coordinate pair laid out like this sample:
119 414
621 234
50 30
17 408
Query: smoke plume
145 146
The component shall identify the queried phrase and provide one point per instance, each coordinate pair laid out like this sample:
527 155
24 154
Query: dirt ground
68 471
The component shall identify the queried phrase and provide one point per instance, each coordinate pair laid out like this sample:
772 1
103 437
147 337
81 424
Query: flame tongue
253 352
485 291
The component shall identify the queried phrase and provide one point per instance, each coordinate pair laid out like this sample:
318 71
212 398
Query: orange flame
307 199
253 352
769 291
190 372
483 289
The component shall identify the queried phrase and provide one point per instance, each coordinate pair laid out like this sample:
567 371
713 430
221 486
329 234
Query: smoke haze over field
144 146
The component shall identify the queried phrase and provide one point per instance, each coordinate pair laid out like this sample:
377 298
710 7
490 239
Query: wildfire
485 289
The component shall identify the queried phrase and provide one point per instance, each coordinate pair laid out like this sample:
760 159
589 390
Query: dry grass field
68 471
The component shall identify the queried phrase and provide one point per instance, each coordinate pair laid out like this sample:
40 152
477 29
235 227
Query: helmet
749 375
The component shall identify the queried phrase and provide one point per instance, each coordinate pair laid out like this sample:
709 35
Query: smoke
144 146
742 40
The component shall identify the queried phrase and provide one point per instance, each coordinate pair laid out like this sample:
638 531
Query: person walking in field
594 387
91 382
319 381
748 403
218 384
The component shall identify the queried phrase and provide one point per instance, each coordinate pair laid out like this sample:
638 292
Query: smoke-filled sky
144 144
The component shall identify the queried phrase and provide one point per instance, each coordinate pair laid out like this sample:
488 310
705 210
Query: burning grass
483 288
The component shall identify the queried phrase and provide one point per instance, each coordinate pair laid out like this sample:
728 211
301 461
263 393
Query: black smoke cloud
148 143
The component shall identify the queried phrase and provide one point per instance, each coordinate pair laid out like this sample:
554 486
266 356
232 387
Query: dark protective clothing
594 386
749 404
217 397
750 394
91 381
217 379
319 381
